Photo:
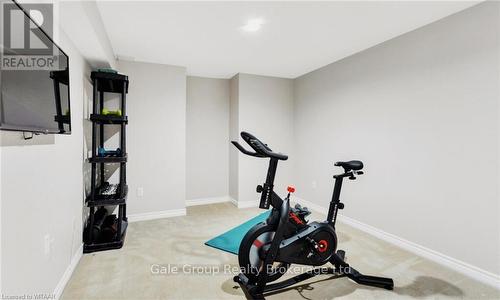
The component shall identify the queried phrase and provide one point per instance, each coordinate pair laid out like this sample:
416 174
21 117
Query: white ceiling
297 37
81 20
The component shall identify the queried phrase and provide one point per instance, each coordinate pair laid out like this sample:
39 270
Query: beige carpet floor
153 246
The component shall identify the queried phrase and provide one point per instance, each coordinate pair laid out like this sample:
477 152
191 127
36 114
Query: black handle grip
245 151
260 147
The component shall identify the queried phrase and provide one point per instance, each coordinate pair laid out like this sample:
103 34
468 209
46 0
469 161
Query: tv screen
34 81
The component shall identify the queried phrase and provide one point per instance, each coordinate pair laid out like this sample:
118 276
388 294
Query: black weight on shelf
100 215
108 229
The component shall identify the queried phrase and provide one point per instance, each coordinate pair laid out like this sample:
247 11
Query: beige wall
234 136
207 138
265 109
421 111
42 195
156 136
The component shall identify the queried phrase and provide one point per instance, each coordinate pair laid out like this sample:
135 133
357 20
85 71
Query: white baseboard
156 215
440 258
233 201
205 201
69 271
244 204
247 204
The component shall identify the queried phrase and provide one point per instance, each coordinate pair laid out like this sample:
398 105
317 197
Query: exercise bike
269 248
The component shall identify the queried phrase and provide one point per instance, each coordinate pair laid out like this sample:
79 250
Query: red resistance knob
322 246
290 189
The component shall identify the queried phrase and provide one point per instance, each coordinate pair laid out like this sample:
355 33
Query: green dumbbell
117 112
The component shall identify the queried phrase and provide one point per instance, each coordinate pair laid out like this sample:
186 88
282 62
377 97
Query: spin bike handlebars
261 149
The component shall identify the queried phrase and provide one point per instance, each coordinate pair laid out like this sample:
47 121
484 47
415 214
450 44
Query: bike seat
354 165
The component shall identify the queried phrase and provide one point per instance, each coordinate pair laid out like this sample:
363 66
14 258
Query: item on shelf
101 152
108 112
108 229
99 217
108 70
109 189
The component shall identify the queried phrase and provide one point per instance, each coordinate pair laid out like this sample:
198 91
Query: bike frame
279 217
270 198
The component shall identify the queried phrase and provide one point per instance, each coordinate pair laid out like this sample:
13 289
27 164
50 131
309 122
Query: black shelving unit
93 241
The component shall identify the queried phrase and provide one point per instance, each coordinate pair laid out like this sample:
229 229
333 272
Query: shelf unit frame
107 83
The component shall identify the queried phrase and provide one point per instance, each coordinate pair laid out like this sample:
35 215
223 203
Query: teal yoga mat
230 241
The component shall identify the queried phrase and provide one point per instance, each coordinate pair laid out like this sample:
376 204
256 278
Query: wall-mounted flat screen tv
34 73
